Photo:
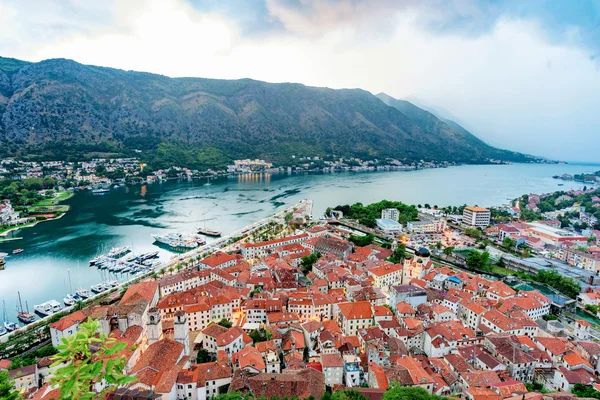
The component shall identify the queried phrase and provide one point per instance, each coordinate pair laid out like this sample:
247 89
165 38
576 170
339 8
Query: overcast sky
520 74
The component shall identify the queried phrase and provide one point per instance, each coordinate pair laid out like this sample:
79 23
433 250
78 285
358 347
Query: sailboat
9 326
206 231
24 316
207 182
71 299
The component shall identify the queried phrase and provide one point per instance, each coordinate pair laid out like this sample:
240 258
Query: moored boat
48 308
99 288
23 314
208 232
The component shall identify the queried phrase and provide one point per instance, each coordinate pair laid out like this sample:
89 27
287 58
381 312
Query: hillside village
271 321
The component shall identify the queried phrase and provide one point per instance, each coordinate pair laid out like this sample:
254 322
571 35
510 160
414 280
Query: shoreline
3 235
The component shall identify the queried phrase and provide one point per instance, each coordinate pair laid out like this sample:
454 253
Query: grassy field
52 205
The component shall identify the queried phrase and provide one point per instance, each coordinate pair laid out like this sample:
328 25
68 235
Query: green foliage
6 388
260 335
224 322
202 356
362 241
399 254
581 390
308 261
367 215
477 260
448 250
473 232
509 243
90 358
397 392
347 395
592 308
567 286
31 358
550 317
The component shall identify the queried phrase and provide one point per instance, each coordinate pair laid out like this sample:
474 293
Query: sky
520 74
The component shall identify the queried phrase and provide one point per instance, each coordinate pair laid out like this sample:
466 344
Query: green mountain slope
60 104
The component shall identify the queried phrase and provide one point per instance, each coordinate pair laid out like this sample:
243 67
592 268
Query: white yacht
48 308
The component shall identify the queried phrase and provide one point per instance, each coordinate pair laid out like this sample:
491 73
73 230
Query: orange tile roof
356 310
146 290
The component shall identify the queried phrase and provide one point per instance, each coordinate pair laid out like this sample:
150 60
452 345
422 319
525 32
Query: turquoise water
129 215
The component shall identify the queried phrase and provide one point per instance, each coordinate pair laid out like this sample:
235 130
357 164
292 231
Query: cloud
501 73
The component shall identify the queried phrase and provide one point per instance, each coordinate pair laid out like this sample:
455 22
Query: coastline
3 235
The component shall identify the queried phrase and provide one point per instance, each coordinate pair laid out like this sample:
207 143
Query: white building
390 213
389 226
476 216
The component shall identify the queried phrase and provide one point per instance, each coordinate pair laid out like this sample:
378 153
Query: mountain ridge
62 101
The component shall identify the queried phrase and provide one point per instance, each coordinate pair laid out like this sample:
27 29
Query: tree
473 232
397 392
347 395
477 260
438 245
203 356
448 250
399 254
308 261
362 241
224 322
6 388
509 243
86 366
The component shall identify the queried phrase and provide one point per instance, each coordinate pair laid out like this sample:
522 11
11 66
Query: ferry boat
177 240
208 232
23 314
48 308
100 191
117 252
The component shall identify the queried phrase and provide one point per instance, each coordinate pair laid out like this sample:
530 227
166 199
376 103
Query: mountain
59 107
448 130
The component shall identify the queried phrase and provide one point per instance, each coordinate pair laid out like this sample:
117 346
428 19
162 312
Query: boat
82 293
561 184
9 326
178 240
48 308
208 232
148 256
71 299
2 255
117 252
100 191
93 261
24 316
99 288
17 251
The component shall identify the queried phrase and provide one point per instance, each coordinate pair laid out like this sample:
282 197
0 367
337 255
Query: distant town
499 303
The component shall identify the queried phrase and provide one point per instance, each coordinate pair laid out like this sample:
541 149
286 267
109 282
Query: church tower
154 325
180 326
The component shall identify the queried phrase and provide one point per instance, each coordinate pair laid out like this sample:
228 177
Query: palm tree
78 305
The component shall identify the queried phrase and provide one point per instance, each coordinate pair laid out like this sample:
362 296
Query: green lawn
2 230
51 205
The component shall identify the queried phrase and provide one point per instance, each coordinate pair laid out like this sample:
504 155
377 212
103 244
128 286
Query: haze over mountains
62 101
